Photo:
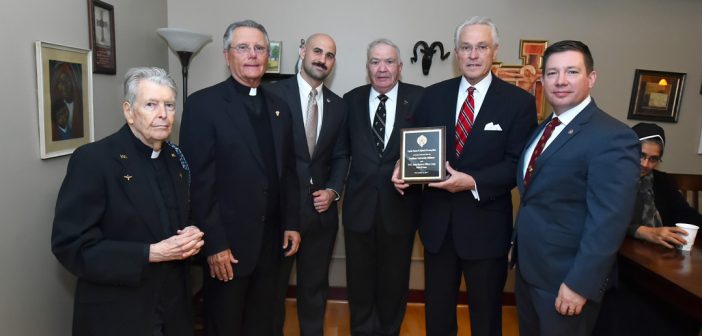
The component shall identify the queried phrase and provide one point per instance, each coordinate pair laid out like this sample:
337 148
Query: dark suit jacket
368 185
106 218
670 203
574 214
480 229
329 163
229 182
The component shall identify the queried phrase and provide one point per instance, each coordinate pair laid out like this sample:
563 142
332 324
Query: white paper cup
691 234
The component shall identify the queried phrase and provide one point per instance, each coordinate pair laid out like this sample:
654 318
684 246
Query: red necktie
540 148
465 121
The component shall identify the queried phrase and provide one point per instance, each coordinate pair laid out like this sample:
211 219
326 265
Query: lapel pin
123 156
127 177
328 100
405 102
180 175
277 113
173 155
570 131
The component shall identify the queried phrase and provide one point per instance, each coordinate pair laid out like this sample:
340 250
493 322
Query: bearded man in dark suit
321 155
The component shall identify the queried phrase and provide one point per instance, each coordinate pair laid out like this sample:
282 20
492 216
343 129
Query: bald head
318 57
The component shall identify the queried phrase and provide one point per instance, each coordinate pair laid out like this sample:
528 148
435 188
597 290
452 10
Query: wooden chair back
690 186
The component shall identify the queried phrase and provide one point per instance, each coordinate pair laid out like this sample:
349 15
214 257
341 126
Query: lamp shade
184 40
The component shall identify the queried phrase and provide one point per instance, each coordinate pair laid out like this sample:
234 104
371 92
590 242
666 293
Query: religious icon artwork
527 75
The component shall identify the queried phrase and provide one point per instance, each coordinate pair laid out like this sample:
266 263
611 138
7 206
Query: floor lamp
185 43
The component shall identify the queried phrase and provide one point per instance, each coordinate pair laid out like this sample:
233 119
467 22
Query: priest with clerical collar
245 194
121 221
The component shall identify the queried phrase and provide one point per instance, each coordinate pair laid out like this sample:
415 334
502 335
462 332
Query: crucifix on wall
528 75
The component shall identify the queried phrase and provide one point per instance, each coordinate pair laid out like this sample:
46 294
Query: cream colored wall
623 34
36 292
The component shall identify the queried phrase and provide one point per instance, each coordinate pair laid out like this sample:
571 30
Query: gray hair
385 42
134 76
478 20
227 38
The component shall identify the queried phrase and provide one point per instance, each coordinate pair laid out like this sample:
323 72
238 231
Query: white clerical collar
155 154
252 92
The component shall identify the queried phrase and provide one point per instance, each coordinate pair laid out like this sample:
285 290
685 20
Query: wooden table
674 276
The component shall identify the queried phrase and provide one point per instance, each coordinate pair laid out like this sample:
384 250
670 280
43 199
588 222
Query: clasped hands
220 263
456 181
184 244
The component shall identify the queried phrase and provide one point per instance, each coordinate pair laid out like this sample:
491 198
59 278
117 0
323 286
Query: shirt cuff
476 195
335 193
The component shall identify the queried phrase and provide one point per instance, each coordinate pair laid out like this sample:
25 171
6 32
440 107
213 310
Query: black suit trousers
485 280
242 306
312 270
377 276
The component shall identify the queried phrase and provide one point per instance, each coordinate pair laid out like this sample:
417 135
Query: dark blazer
106 218
575 212
481 229
670 203
368 184
329 163
229 182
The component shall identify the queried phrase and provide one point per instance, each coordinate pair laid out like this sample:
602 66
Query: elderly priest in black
120 222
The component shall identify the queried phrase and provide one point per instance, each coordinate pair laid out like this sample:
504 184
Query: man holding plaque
321 156
379 224
466 220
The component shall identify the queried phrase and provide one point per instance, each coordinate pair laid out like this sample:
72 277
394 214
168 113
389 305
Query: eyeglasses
243 49
468 49
651 159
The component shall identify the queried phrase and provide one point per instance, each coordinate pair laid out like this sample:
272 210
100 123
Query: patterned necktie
311 124
540 148
465 121
379 125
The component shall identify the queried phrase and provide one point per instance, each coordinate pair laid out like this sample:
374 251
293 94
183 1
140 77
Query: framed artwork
656 95
274 59
527 75
101 19
65 98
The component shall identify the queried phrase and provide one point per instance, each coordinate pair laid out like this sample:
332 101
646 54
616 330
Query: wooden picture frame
275 52
101 22
65 98
656 95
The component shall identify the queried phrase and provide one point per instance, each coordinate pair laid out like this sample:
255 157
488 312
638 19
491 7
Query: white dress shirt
479 93
565 118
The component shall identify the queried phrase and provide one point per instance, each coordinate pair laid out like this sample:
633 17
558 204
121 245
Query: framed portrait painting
65 98
274 57
656 95
101 19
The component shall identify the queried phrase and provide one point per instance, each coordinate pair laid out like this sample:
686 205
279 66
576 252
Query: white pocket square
493 127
